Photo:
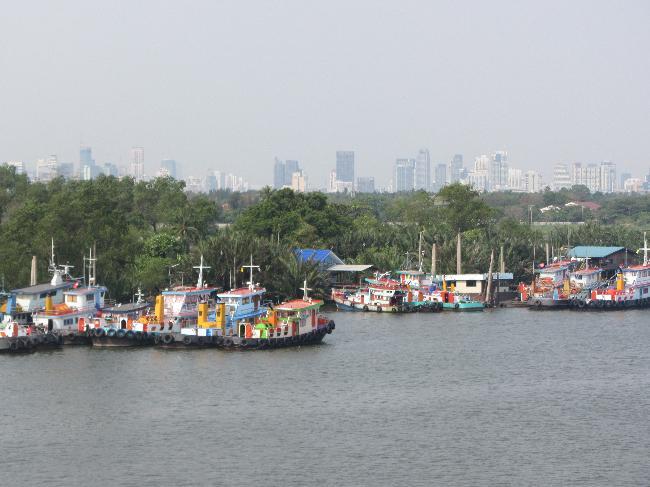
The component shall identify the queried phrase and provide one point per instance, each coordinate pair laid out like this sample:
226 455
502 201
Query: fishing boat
16 338
120 325
630 289
295 322
377 297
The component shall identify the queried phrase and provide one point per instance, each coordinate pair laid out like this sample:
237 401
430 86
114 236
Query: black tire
187 340
13 346
538 304
379 310
130 334
156 339
99 332
120 334
365 307
456 306
227 343
167 339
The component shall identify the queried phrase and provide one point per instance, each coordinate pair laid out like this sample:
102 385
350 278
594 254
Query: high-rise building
498 171
533 182
607 177
440 178
137 163
423 170
299 181
366 184
345 166
110 169
479 178
168 168
404 175
47 169
515 179
290 167
622 178
561 177
455 169
278 173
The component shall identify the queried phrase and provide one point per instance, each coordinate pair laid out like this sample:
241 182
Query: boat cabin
637 275
242 305
476 284
585 278
181 304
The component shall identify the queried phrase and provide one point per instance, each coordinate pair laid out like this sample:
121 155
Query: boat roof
634 268
43 288
126 308
85 290
242 291
187 290
296 304
349 268
586 272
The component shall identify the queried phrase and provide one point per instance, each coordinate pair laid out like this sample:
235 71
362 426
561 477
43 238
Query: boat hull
543 303
475 306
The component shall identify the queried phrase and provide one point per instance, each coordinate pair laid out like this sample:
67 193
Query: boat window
43 295
71 298
470 283
90 297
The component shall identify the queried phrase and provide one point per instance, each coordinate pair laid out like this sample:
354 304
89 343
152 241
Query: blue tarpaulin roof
322 256
584 251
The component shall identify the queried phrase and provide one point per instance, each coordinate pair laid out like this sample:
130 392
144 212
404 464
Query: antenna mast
251 284
200 267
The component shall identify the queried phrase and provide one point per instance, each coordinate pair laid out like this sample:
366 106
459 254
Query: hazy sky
230 84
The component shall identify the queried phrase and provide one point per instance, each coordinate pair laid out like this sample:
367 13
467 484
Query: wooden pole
547 253
433 261
488 291
33 278
502 262
458 256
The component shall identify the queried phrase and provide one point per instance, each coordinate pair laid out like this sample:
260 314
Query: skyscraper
607 177
404 175
290 167
498 179
278 173
137 163
440 177
423 170
87 169
168 167
455 168
345 166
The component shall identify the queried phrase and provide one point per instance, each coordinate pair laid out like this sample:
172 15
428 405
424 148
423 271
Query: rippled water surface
506 397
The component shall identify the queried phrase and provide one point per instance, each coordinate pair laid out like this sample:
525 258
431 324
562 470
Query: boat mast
420 252
304 288
200 267
251 266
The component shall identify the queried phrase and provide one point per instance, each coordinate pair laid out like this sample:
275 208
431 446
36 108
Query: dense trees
148 234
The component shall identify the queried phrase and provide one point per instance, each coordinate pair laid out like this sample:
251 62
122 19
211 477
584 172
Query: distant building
515 179
622 178
366 184
299 181
111 169
455 169
169 167
66 170
479 178
345 166
533 182
439 177
498 171
422 170
561 177
633 185
278 173
607 177
47 169
137 163
404 175
597 177
18 165
283 173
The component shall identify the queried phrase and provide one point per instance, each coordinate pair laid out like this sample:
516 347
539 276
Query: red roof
299 304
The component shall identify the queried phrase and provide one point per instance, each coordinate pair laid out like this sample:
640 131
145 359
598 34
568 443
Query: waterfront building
345 166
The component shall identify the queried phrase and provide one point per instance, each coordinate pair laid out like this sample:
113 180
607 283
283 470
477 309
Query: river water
504 397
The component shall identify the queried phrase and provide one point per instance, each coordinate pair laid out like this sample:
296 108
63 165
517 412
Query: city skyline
421 74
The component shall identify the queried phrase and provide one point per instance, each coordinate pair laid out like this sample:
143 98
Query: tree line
150 234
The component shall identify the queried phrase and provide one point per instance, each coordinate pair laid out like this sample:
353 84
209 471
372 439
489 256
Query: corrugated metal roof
349 268
593 252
